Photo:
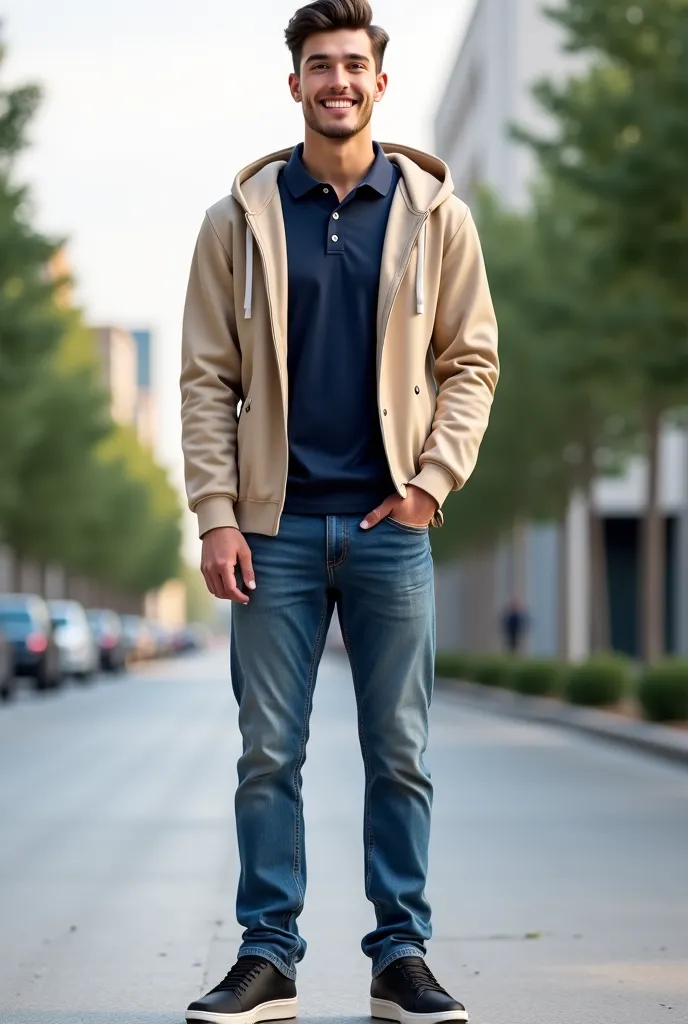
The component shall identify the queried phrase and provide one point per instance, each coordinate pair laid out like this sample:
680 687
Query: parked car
138 638
163 639
25 620
194 637
6 667
109 635
79 654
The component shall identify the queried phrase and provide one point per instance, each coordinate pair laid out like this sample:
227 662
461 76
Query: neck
343 163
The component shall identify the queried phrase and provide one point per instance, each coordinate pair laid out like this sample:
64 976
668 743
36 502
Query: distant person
339 296
515 623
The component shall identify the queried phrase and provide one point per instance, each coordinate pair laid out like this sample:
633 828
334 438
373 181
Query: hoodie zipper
400 277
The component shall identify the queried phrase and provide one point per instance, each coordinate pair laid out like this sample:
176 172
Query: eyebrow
348 56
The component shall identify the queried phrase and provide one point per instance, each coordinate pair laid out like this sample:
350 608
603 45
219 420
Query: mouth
338 104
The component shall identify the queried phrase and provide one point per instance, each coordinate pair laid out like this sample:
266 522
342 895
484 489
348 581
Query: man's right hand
222 549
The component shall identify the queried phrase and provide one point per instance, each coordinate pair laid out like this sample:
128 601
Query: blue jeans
382 583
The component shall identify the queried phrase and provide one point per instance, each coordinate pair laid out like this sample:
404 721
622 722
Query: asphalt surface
118 865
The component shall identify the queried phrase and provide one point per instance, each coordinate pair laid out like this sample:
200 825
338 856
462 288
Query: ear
380 86
295 87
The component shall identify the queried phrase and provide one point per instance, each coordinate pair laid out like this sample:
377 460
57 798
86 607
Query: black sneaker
253 991
408 992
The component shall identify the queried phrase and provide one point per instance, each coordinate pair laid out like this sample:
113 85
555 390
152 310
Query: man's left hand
416 509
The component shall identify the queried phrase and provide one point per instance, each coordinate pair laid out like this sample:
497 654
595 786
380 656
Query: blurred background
119 127
559 844
565 133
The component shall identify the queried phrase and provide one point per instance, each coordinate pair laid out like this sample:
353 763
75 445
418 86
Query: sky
150 108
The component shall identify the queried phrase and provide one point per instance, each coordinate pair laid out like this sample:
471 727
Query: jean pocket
405 527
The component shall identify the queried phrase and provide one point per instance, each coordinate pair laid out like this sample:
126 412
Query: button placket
335 242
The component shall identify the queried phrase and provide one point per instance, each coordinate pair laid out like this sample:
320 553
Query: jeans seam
332 565
368 827
282 967
299 765
345 544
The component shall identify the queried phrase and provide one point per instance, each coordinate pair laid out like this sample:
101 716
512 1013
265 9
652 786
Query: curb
658 740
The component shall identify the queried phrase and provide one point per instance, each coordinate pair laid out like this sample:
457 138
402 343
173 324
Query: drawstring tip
247 312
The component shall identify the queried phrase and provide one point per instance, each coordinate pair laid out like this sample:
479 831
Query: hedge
603 680
663 691
537 677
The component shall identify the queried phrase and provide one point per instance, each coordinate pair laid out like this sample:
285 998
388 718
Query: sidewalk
660 740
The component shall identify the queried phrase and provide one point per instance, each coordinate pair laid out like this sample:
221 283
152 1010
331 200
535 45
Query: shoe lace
419 976
245 970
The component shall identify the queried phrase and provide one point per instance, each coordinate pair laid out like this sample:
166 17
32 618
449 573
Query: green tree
517 472
134 528
570 310
29 331
74 489
54 475
621 138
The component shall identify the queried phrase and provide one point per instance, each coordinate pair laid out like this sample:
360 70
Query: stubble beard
310 113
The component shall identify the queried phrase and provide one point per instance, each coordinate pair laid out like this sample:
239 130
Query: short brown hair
329 15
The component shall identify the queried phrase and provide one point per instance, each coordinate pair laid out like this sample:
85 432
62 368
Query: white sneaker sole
278 1009
390 1011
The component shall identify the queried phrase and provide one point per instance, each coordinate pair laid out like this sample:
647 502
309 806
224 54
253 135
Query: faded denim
381 582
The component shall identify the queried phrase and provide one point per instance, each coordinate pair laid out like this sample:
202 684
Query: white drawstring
420 272
248 294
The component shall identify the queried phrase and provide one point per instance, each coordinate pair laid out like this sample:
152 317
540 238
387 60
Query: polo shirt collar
299 181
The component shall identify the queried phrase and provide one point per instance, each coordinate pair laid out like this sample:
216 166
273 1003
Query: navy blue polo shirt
337 463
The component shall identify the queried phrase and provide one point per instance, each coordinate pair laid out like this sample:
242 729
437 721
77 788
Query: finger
246 564
209 582
230 591
380 513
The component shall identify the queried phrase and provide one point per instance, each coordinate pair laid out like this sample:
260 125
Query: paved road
117 864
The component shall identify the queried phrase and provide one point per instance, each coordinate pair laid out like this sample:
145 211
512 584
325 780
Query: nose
338 78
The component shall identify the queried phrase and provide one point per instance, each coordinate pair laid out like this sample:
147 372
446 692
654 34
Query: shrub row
661 690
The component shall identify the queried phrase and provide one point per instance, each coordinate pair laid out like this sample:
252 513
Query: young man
339 296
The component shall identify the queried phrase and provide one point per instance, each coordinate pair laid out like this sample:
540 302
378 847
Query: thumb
380 513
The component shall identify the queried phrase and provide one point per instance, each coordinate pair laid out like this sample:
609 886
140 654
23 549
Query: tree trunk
564 641
597 560
653 554
600 630
598 621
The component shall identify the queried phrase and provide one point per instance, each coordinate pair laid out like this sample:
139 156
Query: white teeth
342 104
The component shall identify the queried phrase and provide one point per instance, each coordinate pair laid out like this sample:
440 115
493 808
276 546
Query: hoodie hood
425 183
427 179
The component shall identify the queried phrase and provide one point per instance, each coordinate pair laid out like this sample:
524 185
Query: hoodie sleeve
210 384
466 368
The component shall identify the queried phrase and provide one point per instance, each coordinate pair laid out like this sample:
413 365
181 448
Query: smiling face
338 83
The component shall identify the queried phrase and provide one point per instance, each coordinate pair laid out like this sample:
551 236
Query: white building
117 350
508 46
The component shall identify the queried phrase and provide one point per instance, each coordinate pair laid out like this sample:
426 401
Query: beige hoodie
437 364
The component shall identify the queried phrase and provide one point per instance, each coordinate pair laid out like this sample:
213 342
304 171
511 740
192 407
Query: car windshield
15 617
60 620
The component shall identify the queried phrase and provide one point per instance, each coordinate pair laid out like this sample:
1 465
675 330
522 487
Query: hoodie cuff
214 512
436 481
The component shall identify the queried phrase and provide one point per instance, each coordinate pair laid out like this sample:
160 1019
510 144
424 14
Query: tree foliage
75 489
590 284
